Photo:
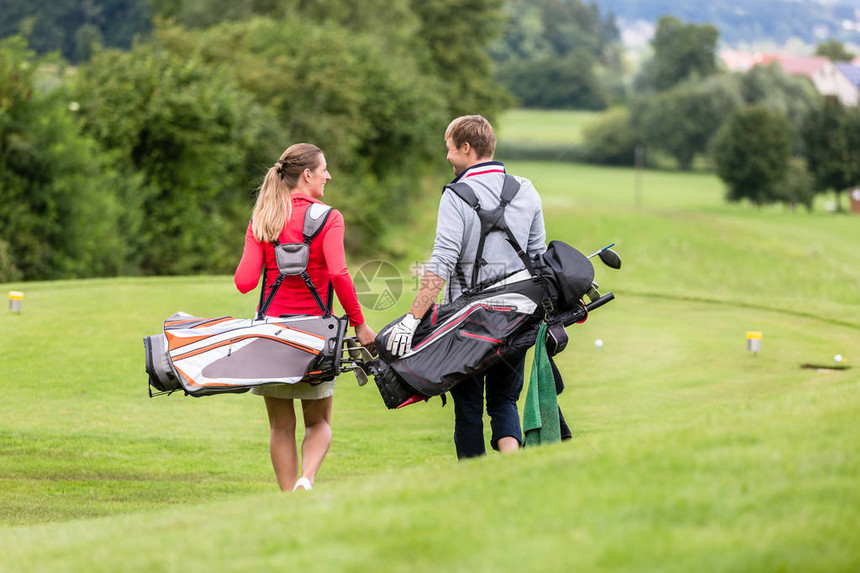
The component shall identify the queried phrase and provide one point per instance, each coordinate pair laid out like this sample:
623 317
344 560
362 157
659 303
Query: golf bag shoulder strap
492 220
315 219
464 191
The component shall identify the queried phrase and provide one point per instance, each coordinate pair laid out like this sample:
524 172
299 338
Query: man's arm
428 292
450 227
400 337
446 249
537 233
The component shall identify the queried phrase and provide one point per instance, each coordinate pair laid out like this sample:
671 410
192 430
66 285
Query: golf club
609 257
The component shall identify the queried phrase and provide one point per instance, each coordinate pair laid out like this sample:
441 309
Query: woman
290 187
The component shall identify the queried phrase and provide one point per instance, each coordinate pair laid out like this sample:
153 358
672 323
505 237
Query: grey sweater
458 229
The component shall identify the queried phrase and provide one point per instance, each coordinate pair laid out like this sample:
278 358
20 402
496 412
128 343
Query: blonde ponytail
274 202
273 208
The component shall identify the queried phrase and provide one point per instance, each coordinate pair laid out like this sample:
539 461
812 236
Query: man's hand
400 339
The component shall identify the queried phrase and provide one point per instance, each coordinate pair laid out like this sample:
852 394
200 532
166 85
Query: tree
524 36
835 50
59 214
752 153
683 120
551 51
798 186
537 29
393 21
448 39
444 38
556 83
376 115
793 96
681 51
57 25
188 135
831 138
458 35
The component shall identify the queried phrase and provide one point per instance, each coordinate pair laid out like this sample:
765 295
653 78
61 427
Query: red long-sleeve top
327 261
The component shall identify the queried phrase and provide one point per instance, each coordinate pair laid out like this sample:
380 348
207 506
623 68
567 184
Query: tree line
546 53
145 156
145 160
141 153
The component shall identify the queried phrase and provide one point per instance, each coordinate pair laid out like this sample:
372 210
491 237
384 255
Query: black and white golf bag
488 322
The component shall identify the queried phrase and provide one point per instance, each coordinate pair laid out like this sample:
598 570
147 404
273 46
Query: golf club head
357 352
610 258
360 376
352 346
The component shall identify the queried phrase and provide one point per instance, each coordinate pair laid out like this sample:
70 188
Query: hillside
750 21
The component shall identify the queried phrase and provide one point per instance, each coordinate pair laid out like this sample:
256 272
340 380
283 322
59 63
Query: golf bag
488 322
205 356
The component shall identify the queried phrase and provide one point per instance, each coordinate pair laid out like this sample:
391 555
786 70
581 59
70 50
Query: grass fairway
529 126
691 454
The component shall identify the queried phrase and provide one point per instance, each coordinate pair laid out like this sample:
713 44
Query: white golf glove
400 339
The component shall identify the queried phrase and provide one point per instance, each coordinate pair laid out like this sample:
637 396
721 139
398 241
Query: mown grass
521 126
690 453
80 436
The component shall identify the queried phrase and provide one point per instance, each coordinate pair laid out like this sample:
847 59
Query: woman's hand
366 336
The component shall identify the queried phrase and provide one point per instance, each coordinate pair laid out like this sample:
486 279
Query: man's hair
474 130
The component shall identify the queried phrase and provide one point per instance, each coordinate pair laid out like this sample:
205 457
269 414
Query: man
471 144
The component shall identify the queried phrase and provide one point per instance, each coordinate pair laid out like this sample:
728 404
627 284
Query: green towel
540 415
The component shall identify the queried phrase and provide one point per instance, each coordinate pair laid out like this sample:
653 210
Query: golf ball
598 343
837 358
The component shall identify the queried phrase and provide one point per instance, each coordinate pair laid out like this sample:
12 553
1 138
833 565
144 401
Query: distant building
841 79
807 66
851 72
737 61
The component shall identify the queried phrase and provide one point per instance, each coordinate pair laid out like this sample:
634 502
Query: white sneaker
303 483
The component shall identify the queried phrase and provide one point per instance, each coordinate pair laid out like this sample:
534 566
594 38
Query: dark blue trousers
503 383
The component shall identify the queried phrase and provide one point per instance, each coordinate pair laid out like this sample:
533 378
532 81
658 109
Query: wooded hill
750 21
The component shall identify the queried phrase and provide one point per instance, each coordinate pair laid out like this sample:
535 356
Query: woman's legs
317 415
282 441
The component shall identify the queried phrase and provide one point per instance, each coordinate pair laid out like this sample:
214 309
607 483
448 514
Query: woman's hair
474 130
274 205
